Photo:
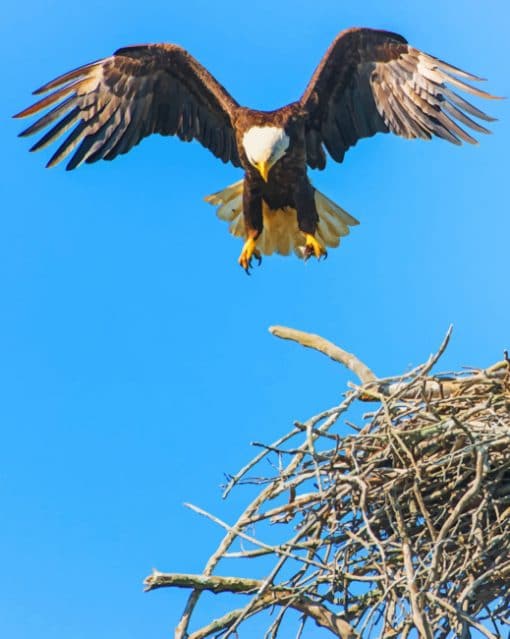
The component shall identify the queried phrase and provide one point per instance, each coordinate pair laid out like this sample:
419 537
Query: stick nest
399 529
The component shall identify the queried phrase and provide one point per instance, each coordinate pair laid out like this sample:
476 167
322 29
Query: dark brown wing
371 81
115 102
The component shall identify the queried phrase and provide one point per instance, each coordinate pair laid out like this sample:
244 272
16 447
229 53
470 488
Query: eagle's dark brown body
278 191
369 81
287 184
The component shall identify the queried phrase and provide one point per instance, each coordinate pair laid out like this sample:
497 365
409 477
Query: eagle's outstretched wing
372 81
115 102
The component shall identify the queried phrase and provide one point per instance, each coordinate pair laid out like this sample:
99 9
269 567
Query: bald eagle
369 81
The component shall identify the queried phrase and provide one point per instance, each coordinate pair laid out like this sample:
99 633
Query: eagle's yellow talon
249 251
314 247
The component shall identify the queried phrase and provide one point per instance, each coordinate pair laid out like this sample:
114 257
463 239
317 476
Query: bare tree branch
274 596
322 345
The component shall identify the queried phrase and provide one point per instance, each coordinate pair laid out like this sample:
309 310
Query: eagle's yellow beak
263 168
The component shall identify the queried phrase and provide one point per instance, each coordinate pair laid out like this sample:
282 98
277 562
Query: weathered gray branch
337 354
274 596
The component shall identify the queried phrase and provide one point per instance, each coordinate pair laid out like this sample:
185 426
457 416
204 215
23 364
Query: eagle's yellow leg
313 247
249 251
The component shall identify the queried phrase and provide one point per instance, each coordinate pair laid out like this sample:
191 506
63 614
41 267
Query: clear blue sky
136 365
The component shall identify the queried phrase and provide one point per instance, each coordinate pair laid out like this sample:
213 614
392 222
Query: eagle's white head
264 146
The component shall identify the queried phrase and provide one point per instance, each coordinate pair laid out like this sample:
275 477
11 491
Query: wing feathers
117 101
105 136
372 81
48 101
462 117
428 69
59 129
50 117
72 140
426 114
80 72
84 128
449 68
465 105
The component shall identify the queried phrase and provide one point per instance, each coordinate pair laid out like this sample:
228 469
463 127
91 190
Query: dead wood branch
274 596
326 347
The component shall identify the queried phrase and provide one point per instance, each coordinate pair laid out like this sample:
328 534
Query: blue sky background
136 365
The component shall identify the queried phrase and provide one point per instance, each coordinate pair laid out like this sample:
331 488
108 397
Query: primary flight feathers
139 90
369 81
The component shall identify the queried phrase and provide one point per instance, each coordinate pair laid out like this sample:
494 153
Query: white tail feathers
281 233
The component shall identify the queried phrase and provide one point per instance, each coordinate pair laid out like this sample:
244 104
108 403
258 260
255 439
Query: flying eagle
369 81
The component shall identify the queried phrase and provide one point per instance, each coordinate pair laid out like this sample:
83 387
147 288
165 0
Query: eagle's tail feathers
281 233
229 201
